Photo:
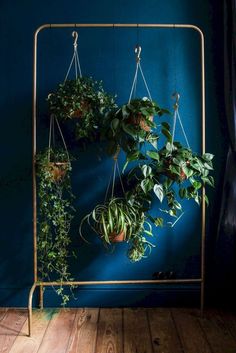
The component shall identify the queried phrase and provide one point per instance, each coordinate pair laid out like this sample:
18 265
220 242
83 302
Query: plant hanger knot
137 51
75 59
75 35
176 96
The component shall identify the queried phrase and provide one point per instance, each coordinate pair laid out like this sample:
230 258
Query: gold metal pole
138 281
41 296
107 25
203 205
34 143
30 308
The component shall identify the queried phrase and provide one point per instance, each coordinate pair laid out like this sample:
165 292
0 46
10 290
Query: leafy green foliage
55 215
160 170
120 215
130 126
84 101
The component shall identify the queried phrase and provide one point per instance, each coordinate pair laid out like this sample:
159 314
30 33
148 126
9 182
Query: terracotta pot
58 169
175 177
117 238
84 107
140 120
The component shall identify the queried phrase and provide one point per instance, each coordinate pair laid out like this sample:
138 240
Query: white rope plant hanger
75 60
116 169
176 117
176 95
112 180
138 69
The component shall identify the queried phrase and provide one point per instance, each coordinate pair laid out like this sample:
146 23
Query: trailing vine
55 216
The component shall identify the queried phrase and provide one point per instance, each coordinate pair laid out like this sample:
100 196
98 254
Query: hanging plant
118 220
84 101
55 216
114 220
161 170
130 126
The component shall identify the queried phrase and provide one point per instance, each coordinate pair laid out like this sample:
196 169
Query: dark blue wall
105 54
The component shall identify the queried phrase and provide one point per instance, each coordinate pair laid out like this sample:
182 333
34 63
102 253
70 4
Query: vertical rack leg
29 321
41 297
30 308
202 297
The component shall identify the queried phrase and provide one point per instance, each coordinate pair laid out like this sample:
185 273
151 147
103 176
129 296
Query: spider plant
113 218
118 218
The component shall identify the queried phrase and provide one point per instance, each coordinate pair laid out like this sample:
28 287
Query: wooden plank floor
139 330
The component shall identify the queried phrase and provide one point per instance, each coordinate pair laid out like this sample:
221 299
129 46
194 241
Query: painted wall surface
170 61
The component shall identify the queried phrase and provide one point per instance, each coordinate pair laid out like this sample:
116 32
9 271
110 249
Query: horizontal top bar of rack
118 25
82 283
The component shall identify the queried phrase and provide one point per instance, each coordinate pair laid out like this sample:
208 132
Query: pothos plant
83 101
172 173
130 125
120 220
55 215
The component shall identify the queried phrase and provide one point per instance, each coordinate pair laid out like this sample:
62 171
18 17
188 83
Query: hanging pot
117 238
140 121
58 170
84 108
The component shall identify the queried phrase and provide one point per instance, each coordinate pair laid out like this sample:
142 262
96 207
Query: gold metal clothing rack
41 284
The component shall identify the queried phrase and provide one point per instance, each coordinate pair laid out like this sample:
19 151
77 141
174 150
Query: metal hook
138 50
75 35
176 96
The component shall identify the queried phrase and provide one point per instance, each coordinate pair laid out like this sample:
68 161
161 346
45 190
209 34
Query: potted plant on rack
119 220
55 215
173 164
83 101
130 125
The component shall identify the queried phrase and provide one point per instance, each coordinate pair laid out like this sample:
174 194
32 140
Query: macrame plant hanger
138 69
112 180
75 59
176 117
51 139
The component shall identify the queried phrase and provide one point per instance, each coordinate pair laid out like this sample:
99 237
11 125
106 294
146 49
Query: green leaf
147 170
208 166
170 147
159 222
172 213
165 125
158 190
208 156
187 171
133 156
146 185
115 124
206 200
167 134
154 155
182 192
208 180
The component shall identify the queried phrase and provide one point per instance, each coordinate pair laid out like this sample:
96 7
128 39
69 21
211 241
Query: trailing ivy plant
84 101
55 215
121 220
130 126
